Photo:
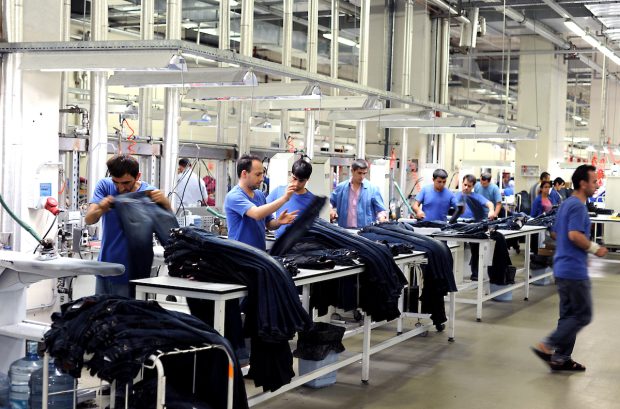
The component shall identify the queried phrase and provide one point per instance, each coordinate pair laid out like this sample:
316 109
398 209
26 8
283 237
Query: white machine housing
380 177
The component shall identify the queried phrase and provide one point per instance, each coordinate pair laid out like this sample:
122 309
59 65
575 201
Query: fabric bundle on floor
438 272
113 336
274 312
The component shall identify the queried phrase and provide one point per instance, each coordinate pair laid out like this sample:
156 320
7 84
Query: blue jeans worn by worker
575 313
109 287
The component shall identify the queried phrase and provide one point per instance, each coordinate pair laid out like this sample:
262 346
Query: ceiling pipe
450 10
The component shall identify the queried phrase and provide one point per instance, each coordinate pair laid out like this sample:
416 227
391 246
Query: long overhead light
464 130
326 102
572 26
381 114
205 77
425 123
510 135
282 91
342 40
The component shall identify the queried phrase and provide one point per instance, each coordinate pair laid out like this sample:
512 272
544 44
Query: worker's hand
286 217
290 189
420 215
106 203
491 215
333 215
157 196
383 219
601 252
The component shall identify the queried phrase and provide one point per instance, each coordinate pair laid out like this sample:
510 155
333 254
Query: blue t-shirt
490 192
555 197
240 226
113 241
296 202
435 205
475 206
571 262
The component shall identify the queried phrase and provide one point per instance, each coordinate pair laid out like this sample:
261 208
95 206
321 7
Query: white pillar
542 102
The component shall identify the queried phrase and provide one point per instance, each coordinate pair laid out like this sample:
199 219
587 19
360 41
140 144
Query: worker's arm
261 212
580 240
417 210
284 218
491 214
158 197
498 208
96 210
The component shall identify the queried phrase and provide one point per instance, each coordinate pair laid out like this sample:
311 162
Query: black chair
523 202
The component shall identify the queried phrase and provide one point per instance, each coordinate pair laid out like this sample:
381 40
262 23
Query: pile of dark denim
273 310
545 219
113 336
437 273
379 286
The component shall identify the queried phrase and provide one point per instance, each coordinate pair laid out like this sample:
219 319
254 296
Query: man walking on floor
570 268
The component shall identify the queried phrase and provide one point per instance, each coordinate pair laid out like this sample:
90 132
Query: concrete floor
490 364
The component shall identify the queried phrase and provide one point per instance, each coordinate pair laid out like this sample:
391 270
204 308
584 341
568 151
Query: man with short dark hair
435 199
247 211
490 191
558 193
356 202
189 190
301 198
570 268
124 178
474 204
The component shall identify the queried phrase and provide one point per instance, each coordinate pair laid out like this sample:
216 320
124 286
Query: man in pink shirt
356 202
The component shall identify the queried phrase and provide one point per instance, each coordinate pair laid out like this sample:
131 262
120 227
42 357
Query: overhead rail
108 51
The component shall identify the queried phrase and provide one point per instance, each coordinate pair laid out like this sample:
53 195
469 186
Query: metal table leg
366 349
218 316
528 240
452 317
481 274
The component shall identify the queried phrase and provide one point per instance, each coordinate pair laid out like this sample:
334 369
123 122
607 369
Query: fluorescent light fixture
572 26
205 77
464 130
270 91
592 41
353 104
509 135
584 123
591 148
342 40
204 120
429 124
100 61
377 114
577 118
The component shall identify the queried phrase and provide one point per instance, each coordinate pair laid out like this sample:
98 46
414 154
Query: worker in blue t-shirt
474 205
247 211
124 178
301 198
490 191
435 199
570 268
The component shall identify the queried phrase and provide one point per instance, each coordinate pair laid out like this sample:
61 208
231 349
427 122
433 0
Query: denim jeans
106 286
575 313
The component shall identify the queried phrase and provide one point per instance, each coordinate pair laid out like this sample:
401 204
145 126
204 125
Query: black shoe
473 278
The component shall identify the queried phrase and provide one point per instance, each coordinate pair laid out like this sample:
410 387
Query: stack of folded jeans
274 312
438 275
113 336
381 283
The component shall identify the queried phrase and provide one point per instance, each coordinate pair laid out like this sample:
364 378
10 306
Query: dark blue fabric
571 262
475 206
140 218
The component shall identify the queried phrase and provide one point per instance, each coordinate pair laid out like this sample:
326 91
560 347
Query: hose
402 196
20 221
215 213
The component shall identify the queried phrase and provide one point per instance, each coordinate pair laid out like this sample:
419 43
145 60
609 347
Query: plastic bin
507 296
540 271
306 366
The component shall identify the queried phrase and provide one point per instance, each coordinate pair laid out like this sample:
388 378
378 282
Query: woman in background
542 203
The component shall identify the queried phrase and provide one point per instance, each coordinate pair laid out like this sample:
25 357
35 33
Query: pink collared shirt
354 196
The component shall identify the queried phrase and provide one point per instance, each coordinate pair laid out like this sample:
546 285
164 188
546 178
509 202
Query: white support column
334 56
542 101
64 76
145 128
406 87
311 61
362 73
245 49
98 141
172 106
287 48
221 176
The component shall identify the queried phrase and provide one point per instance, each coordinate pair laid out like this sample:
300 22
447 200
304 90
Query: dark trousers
575 313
